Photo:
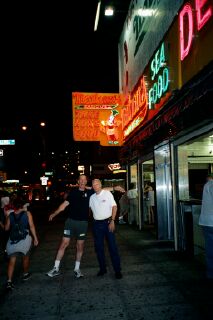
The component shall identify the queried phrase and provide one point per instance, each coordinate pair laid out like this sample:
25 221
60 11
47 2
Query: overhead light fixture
97 16
109 11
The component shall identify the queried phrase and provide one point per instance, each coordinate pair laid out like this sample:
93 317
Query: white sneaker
53 272
78 273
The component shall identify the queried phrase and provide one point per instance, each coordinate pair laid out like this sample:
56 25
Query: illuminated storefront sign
135 111
204 12
114 166
119 171
146 24
160 74
92 99
141 106
97 117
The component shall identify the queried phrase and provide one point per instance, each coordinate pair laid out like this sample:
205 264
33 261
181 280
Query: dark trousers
101 232
208 235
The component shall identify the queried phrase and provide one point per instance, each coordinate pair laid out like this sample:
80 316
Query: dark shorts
76 229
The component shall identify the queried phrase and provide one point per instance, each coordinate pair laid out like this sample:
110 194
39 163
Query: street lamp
25 127
109 11
43 139
42 125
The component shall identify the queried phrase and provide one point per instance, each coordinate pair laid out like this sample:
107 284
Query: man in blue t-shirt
75 225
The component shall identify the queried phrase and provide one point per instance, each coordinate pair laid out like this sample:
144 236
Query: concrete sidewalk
157 282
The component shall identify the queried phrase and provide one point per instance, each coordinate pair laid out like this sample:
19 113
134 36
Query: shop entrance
163 192
148 193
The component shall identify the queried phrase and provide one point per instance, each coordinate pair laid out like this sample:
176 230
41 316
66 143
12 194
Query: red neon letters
203 14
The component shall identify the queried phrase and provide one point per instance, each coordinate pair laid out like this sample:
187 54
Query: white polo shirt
101 205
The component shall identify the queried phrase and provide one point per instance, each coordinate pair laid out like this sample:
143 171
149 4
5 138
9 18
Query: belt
102 220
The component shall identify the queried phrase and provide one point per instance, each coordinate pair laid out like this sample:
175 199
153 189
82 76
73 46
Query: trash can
185 223
188 226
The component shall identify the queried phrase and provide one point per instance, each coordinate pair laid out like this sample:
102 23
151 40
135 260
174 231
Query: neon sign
86 124
114 166
136 109
96 117
159 74
81 98
203 14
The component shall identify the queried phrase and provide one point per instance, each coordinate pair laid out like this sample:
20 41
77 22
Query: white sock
77 265
57 264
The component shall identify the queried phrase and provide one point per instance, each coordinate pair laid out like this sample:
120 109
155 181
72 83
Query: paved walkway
157 284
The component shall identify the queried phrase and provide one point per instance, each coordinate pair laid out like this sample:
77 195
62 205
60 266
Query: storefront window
195 161
132 194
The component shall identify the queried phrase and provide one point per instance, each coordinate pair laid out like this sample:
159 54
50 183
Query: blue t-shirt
79 204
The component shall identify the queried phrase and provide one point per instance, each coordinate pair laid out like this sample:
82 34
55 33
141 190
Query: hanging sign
97 117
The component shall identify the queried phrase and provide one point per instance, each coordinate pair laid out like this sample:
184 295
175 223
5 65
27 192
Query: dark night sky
48 51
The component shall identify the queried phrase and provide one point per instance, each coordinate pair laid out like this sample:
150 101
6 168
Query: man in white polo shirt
104 209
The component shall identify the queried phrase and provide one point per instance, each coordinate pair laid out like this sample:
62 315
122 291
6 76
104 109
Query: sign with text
144 28
97 117
159 74
7 142
151 92
195 37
